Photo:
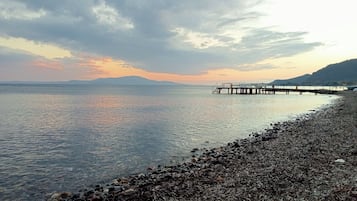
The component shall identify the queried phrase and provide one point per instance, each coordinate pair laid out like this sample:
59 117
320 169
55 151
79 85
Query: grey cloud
270 44
255 67
72 25
261 44
231 21
235 20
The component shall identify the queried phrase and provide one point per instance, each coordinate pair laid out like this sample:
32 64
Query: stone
219 179
130 191
354 193
60 196
340 160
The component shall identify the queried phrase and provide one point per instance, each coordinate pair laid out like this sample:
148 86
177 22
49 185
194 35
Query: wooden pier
229 88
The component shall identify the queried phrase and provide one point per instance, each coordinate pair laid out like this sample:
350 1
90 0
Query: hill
344 73
293 81
128 80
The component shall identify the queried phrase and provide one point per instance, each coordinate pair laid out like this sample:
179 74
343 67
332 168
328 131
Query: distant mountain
344 73
128 80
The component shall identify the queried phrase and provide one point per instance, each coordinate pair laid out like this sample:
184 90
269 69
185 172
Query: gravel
311 158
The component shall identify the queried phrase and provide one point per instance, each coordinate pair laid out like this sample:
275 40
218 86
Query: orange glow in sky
49 64
108 67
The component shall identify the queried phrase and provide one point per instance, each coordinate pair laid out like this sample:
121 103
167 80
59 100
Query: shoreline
311 158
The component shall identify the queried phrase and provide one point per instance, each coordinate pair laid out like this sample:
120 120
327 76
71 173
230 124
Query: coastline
311 158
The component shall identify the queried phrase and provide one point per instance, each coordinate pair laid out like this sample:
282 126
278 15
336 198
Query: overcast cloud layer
185 37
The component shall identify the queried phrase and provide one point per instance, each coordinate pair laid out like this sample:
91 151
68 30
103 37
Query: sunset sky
198 42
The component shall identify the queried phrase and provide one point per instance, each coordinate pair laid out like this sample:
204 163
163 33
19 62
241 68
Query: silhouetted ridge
344 73
128 80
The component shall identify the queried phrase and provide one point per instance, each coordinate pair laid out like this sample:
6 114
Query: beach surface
313 157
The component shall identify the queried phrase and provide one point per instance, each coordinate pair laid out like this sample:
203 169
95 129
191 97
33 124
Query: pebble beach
313 157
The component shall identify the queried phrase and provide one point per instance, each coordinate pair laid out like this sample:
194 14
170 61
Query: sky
194 42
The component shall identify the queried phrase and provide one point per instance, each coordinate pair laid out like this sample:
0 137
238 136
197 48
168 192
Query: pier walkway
229 88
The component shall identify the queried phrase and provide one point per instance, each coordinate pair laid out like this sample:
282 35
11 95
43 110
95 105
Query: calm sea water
64 138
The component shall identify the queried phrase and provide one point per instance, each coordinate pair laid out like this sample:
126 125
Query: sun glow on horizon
104 67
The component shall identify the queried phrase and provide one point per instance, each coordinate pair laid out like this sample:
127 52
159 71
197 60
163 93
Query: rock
340 160
115 182
97 198
354 194
55 197
60 196
354 152
194 160
123 180
219 179
89 193
130 191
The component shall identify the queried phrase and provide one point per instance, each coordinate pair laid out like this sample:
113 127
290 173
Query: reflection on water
62 138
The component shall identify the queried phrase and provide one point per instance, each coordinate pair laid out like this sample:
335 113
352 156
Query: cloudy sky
200 41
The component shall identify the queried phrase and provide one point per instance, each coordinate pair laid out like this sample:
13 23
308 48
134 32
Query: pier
229 88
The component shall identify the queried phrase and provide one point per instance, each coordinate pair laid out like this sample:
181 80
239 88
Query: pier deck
228 88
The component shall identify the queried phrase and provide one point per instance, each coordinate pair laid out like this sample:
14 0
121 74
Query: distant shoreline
313 157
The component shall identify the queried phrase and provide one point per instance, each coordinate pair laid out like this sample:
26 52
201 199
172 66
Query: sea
60 137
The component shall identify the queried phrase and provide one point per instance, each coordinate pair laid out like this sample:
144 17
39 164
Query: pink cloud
47 64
